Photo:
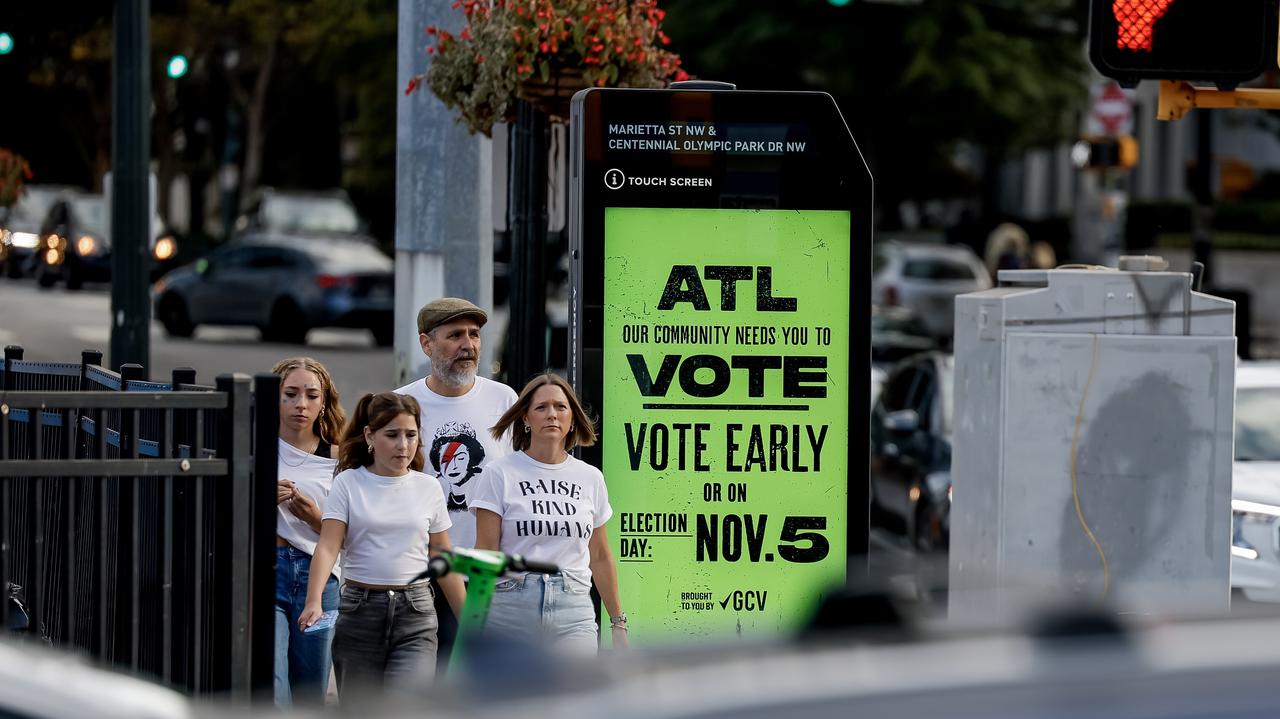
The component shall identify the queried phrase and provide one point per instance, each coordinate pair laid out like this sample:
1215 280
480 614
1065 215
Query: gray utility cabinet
1092 449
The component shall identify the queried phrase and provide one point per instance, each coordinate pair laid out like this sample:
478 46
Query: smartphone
325 621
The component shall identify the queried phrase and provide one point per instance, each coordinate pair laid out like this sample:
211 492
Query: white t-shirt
389 520
548 510
457 443
311 474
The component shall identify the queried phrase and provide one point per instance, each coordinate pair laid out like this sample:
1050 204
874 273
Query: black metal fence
137 519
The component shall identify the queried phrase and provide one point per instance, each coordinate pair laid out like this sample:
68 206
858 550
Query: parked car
1255 483
304 212
20 227
75 242
926 278
911 451
283 284
897 333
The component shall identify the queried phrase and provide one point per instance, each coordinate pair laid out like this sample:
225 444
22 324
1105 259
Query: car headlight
27 240
86 245
165 248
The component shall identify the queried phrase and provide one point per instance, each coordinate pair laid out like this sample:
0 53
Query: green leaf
544 70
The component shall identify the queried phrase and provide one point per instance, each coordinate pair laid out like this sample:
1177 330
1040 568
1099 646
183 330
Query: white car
1255 483
926 279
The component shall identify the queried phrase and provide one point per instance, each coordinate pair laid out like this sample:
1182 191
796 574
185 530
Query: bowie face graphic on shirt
456 456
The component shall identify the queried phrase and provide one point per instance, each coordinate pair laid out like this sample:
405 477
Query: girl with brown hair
311 419
387 518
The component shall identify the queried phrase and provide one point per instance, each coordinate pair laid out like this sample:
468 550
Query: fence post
266 432
182 375
233 445
88 358
12 353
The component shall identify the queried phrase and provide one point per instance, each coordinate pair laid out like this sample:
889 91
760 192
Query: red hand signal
1137 19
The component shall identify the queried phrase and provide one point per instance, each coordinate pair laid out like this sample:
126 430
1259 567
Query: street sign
719 322
1110 111
1226 43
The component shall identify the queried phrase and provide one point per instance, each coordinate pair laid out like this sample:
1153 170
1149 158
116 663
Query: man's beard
447 371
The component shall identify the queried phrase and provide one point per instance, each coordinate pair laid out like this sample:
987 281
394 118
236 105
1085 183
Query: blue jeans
540 607
302 660
384 638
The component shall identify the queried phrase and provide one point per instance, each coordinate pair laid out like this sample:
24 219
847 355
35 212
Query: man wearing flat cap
458 408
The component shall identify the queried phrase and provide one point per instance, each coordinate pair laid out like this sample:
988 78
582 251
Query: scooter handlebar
437 567
520 564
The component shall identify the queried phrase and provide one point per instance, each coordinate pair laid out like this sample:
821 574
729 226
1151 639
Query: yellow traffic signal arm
1178 97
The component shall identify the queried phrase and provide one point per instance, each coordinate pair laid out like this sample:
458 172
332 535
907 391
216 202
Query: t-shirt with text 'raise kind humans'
548 511
389 522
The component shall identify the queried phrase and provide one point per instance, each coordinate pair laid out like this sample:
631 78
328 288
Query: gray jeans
384 637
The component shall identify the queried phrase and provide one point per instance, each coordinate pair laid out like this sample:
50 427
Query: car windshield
350 258
1258 424
937 268
310 214
91 215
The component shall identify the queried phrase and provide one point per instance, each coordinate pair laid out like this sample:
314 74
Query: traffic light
1100 152
6 43
177 66
1225 43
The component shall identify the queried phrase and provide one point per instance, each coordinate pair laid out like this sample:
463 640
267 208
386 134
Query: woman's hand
284 490
305 508
310 613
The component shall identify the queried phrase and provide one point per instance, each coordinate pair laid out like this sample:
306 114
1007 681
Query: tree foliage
916 81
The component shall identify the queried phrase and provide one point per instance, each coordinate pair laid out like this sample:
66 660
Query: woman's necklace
302 461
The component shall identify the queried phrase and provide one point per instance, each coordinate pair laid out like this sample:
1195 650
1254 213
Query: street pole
130 199
444 187
1202 191
526 335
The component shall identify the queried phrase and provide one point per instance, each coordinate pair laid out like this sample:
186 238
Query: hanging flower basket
552 97
544 51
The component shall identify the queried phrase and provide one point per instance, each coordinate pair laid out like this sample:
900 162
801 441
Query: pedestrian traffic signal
177 66
1225 43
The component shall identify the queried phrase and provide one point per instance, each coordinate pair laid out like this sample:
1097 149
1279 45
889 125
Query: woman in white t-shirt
311 419
546 505
388 519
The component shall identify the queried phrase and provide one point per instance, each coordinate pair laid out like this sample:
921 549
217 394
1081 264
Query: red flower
413 84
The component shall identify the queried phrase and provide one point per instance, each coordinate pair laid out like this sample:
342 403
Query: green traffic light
6 43
177 66
838 3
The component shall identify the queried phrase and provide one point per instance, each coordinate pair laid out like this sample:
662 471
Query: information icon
614 179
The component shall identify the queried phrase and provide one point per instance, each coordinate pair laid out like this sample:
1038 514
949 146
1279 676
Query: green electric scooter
482 567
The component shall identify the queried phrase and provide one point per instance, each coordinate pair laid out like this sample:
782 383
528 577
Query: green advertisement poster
726 416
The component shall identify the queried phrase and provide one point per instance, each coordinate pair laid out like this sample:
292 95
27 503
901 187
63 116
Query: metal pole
526 334
233 445
262 592
130 199
444 179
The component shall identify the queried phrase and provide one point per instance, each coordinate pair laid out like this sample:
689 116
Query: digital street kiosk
719 324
